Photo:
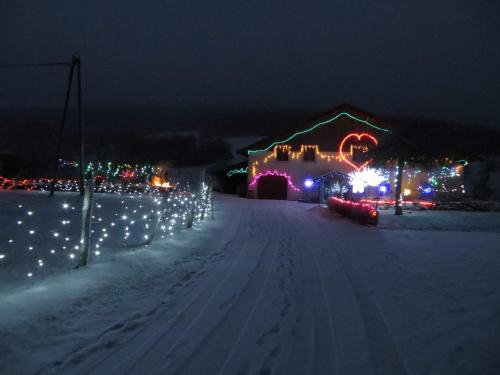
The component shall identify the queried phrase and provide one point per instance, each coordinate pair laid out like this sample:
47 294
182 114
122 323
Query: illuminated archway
274 173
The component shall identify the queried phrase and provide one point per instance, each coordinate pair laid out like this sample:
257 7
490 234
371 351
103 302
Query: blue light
308 183
384 188
427 190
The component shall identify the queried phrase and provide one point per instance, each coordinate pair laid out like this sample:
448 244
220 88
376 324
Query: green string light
317 126
236 171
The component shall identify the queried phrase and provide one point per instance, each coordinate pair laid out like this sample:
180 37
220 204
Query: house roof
325 119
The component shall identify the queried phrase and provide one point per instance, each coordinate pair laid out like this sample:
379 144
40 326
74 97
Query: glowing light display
360 211
384 188
274 173
128 174
358 137
392 202
136 219
236 171
43 184
160 182
319 124
111 169
295 155
425 189
308 183
366 177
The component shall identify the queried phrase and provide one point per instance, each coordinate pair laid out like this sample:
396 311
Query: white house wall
297 169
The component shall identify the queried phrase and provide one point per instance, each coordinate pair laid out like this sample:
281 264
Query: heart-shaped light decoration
358 137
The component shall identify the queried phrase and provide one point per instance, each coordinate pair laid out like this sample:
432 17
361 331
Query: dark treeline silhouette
180 150
28 149
448 139
218 122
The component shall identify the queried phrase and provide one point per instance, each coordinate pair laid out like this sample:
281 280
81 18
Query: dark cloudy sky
438 58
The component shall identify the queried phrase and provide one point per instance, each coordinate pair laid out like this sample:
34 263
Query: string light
360 211
275 173
319 124
308 183
236 171
172 210
110 169
366 177
358 137
294 155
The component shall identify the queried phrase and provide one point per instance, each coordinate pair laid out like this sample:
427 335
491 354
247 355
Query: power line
74 68
35 65
28 95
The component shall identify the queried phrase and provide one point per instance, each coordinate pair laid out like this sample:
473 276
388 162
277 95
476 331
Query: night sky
433 59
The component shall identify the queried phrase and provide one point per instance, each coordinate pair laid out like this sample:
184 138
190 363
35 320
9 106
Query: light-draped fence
43 236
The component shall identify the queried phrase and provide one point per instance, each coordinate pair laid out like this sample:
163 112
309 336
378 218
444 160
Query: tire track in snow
280 334
387 356
244 234
305 238
241 228
250 315
386 353
319 253
143 346
243 306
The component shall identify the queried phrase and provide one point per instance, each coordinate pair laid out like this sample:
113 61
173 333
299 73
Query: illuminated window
359 153
309 154
282 153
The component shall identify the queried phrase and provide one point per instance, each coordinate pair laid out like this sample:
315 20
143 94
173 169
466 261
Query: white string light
172 212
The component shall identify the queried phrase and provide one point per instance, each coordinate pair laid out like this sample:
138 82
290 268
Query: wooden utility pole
77 63
87 205
61 130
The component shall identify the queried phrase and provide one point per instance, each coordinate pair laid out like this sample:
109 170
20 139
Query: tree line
28 149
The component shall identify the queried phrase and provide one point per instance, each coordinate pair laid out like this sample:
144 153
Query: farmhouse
330 155
286 165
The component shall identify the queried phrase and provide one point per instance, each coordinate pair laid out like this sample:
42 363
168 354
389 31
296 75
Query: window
359 153
282 153
309 154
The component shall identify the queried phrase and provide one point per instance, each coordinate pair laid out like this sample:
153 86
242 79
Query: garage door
272 187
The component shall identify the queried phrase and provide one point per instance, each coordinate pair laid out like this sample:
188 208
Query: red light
358 136
128 174
275 173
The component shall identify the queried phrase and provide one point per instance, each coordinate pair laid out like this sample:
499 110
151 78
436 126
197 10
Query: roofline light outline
317 126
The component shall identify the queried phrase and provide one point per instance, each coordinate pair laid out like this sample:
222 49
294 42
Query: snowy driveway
288 288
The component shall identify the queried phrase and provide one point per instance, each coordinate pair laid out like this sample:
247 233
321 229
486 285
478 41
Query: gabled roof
325 119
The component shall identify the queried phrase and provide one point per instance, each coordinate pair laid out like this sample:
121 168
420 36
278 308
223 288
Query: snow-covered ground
267 287
441 220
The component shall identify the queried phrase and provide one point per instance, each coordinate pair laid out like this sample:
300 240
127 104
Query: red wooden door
272 187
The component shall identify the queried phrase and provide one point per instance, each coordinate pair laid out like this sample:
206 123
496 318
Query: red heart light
358 137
